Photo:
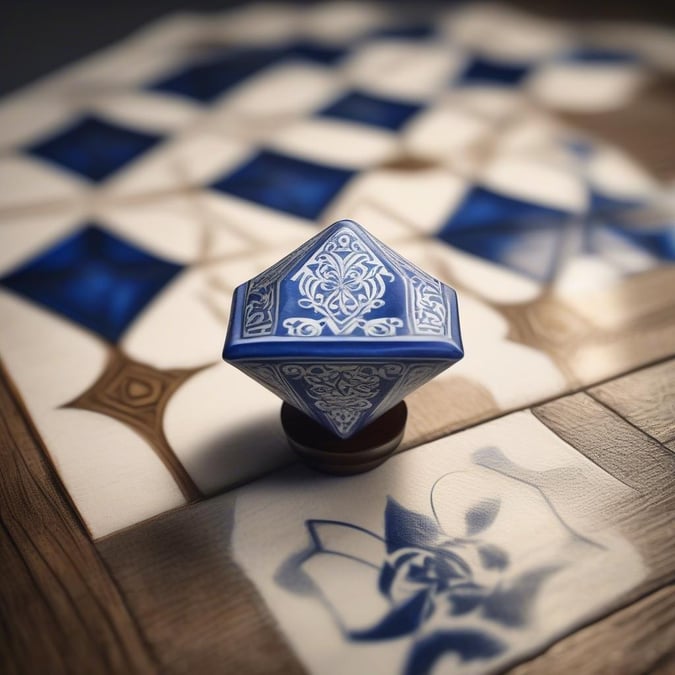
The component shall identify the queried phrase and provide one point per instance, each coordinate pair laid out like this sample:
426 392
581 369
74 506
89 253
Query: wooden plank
635 459
637 639
198 610
645 398
60 611
620 449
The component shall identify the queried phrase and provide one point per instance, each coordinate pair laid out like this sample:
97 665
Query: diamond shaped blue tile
411 31
481 70
600 56
94 279
316 52
207 79
658 241
288 184
517 234
367 109
93 147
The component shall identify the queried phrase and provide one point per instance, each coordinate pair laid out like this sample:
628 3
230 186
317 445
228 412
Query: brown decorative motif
136 394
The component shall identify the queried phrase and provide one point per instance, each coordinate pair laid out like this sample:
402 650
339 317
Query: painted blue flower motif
445 593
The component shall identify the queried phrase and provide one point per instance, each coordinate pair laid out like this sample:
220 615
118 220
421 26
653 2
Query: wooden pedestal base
320 449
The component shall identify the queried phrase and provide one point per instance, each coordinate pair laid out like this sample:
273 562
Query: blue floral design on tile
482 70
95 279
207 79
450 594
373 110
93 148
523 236
288 184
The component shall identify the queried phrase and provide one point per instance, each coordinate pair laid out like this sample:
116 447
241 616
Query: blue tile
368 109
207 79
481 70
658 241
596 55
514 233
94 279
316 52
412 31
93 148
288 184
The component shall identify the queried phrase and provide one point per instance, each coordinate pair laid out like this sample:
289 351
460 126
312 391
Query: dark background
38 36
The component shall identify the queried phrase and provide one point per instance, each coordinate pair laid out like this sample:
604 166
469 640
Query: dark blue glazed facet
343 328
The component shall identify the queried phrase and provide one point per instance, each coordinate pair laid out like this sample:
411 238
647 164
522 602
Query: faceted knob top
343 328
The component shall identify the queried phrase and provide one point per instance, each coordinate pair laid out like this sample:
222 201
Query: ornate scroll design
262 295
343 392
429 311
342 282
269 376
416 375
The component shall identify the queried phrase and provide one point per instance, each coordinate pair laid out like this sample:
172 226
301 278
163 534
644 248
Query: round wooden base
322 450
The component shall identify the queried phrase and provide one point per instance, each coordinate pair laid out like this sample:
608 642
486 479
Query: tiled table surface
140 187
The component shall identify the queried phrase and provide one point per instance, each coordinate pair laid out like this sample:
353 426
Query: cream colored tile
334 559
580 87
400 69
225 428
336 143
113 476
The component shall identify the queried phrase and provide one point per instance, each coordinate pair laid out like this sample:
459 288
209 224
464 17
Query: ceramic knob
343 328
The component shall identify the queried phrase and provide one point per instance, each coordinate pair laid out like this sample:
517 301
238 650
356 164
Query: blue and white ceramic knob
342 329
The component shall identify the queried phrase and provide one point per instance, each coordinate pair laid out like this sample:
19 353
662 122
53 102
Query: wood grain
637 639
643 127
645 398
198 610
638 461
617 447
60 611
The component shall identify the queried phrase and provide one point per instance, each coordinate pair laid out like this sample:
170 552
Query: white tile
343 21
315 548
261 22
184 327
286 89
266 228
400 69
420 199
443 132
225 428
536 181
585 88
24 236
337 143
113 476
503 32
614 174
28 181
